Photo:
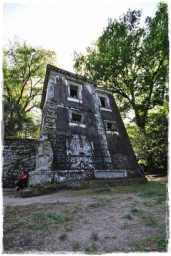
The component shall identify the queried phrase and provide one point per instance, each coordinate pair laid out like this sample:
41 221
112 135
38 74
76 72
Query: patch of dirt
156 177
123 220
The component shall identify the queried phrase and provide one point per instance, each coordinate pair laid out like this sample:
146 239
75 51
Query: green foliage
151 145
131 61
148 219
94 236
114 237
84 192
12 116
128 216
39 216
23 73
162 242
58 218
62 237
92 249
44 220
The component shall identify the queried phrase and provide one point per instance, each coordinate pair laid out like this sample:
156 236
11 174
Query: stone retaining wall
18 154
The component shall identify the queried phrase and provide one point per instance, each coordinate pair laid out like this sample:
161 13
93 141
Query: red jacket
23 176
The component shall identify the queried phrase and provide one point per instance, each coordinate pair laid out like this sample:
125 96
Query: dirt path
61 196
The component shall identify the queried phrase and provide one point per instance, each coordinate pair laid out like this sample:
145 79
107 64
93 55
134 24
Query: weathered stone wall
18 154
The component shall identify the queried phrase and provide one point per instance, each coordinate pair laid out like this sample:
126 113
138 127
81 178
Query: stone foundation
84 184
60 176
94 185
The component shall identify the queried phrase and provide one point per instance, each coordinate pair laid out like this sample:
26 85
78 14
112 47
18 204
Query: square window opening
103 102
74 91
76 117
110 126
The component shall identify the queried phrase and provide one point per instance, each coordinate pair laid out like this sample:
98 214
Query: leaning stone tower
83 141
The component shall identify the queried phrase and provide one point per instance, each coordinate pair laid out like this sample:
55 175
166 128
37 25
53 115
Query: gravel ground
125 219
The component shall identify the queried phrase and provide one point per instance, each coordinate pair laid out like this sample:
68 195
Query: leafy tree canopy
23 74
150 146
131 61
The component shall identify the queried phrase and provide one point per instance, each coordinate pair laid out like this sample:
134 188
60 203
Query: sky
65 26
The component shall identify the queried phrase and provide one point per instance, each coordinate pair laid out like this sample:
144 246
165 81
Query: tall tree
23 71
131 61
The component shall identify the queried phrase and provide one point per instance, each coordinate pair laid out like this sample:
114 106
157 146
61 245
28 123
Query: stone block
110 174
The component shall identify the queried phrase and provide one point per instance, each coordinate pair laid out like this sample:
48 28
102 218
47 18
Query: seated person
23 180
